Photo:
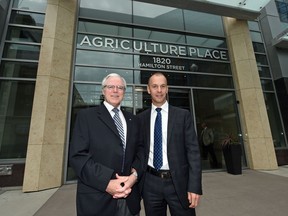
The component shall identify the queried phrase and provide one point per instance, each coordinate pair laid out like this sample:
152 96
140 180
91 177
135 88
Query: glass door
217 110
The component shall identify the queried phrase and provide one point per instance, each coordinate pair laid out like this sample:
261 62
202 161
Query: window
282 7
18 71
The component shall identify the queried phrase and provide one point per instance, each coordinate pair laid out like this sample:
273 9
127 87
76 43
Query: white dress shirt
164 115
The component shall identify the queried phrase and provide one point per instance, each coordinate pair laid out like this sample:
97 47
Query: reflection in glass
158 36
99 28
206 42
18 69
26 18
176 97
119 10
256 37
157 16
186 79
261 59
103 59
258 47
94 74
274 120
16 99
210 67
33 5
87 95
21 51
3 15
24 34
264 71
218 110
267 85
198 22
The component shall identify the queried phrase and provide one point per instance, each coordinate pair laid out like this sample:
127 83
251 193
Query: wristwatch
135 174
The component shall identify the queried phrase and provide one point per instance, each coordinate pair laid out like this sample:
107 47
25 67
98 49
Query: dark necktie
120 129
157 159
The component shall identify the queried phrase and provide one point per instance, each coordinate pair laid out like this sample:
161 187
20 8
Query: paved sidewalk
253 193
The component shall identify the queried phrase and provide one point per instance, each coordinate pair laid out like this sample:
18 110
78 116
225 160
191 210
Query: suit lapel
105 117
129 126
147 124
171 120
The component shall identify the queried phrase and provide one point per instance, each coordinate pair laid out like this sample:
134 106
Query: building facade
54 55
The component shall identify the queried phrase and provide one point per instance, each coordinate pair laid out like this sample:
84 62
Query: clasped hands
121 187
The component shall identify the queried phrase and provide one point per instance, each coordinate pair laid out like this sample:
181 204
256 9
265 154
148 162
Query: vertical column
46 144
257 136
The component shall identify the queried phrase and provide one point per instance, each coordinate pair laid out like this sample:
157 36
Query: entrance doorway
217 108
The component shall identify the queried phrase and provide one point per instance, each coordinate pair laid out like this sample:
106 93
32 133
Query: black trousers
209 149
122 208
159 193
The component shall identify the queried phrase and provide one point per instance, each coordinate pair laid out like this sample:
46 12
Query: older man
106 156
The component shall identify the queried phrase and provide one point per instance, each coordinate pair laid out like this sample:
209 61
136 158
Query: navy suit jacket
96 155
182 149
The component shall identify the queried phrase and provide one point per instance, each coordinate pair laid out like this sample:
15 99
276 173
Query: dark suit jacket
96 155
182 149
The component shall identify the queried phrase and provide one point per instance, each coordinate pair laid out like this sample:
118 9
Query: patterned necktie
157 159
120 129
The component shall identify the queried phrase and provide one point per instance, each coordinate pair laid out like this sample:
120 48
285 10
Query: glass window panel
105 29
3 15
201 81
93 74
282 7
158 36
264 71
111 44
256 37
24 34
274 120
210 67
198 22
18 69
254 26
176 97
103 59
157 16
218 109
21 51
267 85
261 60
180 64
185 79
206 42
26 18
86 95
33 5
259 47
119 10
16 99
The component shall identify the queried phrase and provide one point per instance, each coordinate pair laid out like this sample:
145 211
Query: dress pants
209 149
158 193
122 208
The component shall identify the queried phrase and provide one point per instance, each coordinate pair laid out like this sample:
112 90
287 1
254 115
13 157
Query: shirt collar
110 107
164 107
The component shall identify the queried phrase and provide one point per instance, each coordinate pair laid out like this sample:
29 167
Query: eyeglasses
112 87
